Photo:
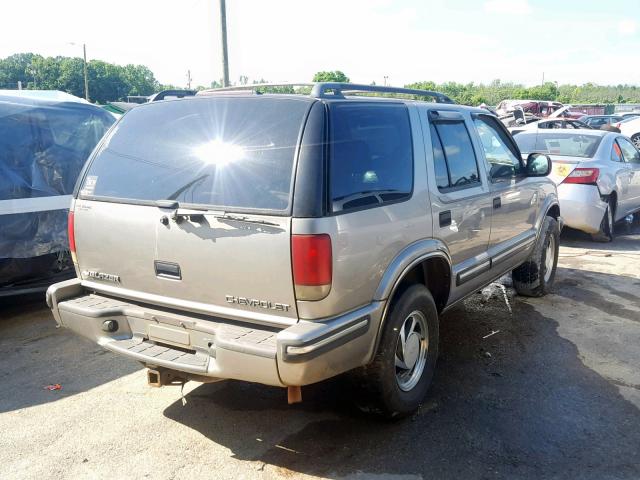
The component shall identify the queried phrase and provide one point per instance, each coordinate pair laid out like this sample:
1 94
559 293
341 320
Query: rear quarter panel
365 242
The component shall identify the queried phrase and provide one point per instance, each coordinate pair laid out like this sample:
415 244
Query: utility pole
188 79
223 33
385 80
86 76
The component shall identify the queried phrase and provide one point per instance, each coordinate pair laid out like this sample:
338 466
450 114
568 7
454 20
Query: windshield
230 153
564 144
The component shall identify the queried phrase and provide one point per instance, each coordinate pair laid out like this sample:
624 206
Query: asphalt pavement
525 388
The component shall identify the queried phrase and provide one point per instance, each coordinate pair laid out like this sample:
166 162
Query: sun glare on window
219 153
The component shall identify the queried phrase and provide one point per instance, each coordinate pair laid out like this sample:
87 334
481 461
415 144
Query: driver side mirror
538 165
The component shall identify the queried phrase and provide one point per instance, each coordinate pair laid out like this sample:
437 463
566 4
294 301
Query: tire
388 387
636 140
605 234
534 278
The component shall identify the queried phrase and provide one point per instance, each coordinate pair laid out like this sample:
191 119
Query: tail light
583 175
72 237
312 266
617 125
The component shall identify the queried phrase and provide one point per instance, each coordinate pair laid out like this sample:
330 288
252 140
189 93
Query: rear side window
371 155
629 151
227 153
454 157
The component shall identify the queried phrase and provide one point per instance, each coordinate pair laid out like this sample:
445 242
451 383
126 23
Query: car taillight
583 175
617 125
72 237
312 266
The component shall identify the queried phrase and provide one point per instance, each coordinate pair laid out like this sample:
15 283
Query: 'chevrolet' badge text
107 277
255 303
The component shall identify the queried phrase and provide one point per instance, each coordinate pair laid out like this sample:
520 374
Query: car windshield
565 144
231 153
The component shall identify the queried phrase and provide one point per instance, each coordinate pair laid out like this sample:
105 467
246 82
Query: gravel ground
554 393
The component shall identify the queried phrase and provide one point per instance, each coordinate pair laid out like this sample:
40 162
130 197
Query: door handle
445 218
497 203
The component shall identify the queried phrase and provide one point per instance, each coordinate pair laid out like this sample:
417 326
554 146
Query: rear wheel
534 278
396 382
605 234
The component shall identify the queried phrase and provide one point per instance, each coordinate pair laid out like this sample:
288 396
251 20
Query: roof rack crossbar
332 90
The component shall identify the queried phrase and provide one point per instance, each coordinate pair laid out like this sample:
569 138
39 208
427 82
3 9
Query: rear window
371 155
227 153
565 144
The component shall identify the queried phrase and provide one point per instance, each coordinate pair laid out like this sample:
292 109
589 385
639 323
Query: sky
569 41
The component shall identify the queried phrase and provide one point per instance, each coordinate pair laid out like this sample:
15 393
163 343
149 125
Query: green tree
334 76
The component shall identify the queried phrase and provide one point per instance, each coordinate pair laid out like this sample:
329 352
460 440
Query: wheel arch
431 268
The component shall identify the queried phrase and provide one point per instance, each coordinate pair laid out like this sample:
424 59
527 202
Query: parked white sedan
597 174
631 128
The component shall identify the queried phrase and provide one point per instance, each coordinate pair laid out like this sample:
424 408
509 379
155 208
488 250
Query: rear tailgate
210 265
188 205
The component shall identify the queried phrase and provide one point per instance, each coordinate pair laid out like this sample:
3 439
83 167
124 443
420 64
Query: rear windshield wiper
196 212
365 193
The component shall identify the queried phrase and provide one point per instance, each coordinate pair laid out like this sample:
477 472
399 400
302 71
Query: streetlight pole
223 33
86 76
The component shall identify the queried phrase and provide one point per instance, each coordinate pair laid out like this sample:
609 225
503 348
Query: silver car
597 174
286 239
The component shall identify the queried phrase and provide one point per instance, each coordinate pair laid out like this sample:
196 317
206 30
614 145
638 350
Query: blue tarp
43 146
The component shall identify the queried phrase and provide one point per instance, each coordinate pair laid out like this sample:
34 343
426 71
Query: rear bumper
304 353
581 206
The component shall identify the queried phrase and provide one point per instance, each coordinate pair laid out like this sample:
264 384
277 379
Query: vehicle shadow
627 238
35 354
517 404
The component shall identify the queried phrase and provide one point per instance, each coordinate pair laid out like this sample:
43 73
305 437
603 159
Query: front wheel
534 278
636 140
396 382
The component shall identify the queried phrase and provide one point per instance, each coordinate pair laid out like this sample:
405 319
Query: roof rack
331 90
253 88
336 89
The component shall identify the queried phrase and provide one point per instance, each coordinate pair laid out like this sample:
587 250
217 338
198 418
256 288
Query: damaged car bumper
582 206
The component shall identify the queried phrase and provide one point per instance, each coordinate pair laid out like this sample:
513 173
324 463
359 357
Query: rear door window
630 152
453 151
232 154
371 155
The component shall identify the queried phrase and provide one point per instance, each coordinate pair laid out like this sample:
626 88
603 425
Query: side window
503 159
630 152
454 158
371 155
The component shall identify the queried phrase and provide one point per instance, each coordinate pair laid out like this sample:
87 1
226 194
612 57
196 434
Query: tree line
107 81
496 91
110 82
